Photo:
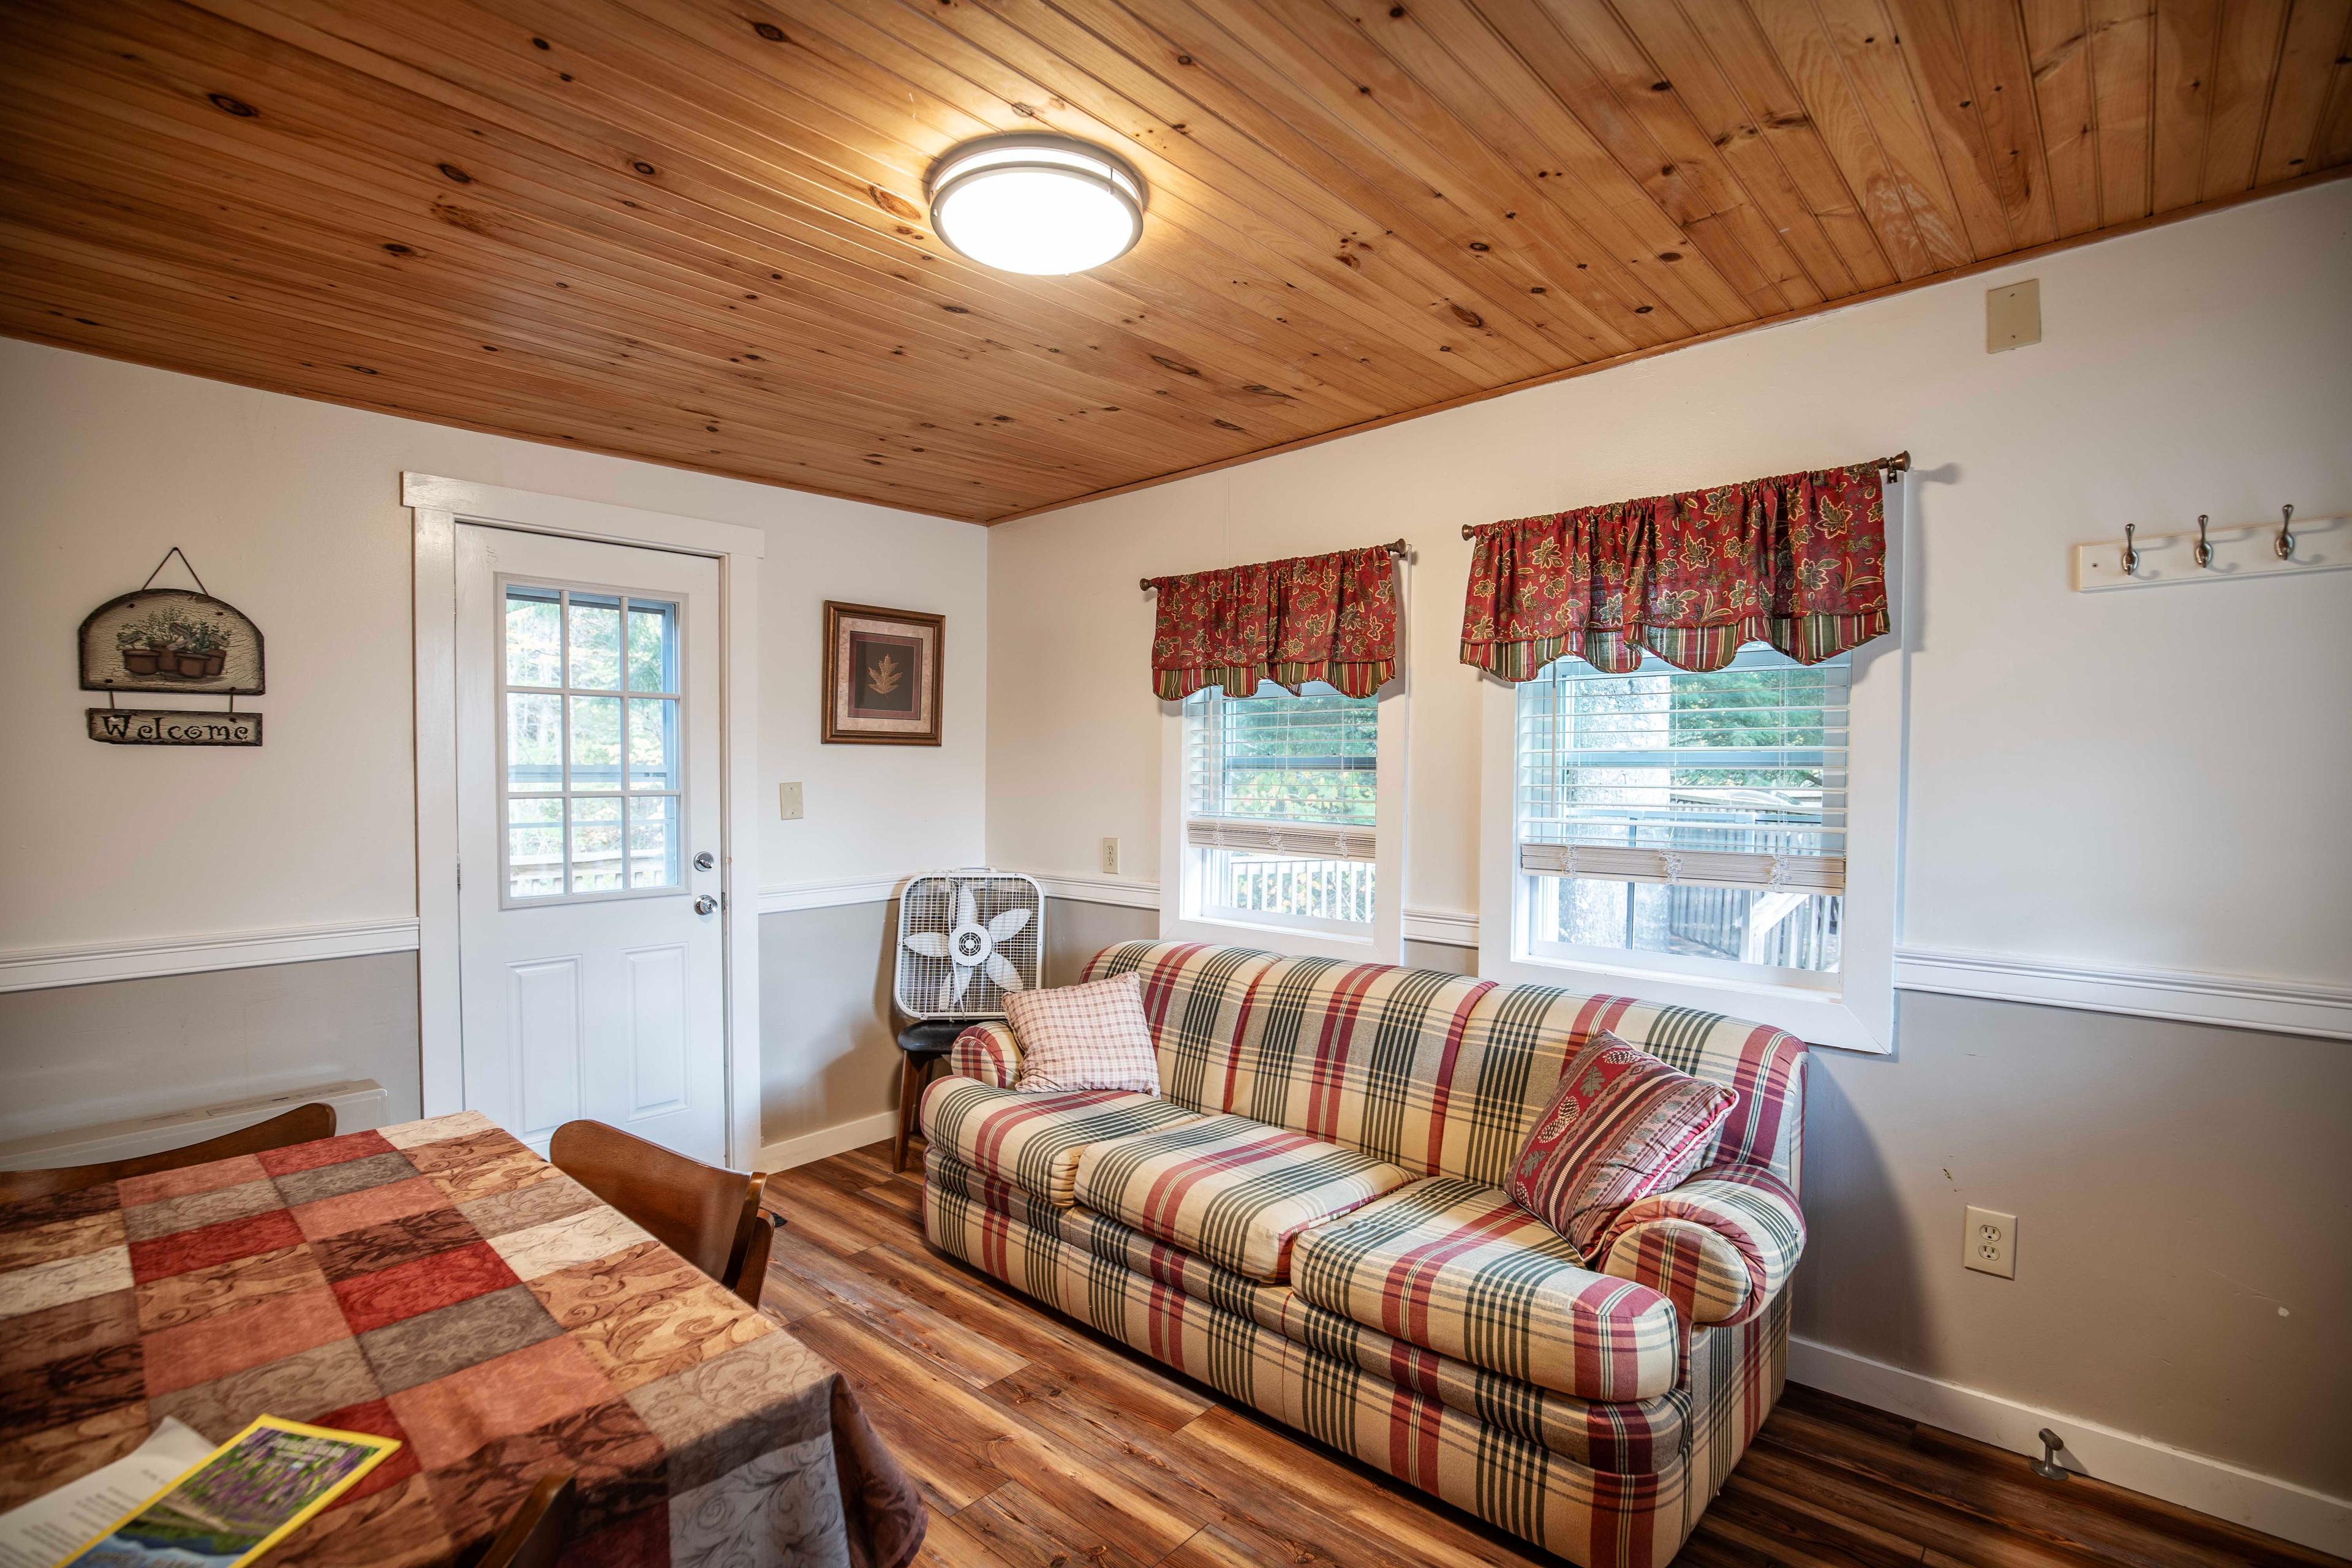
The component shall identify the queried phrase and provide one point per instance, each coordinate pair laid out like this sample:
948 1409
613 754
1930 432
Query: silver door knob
706 905
703 862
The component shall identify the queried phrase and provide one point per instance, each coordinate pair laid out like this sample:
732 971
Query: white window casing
1850 850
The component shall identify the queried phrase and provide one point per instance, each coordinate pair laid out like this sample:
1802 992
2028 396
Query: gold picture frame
882 676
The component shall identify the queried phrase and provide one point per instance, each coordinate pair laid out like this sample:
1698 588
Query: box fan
968 939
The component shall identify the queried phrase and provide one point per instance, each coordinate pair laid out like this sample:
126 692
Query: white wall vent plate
968 939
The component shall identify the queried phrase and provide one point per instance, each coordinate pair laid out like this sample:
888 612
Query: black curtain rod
1897 464
1394 547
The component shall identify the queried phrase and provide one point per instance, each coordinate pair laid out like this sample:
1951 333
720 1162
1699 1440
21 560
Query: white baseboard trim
2240 1001
2139 1464
827 1142
829 893
91 963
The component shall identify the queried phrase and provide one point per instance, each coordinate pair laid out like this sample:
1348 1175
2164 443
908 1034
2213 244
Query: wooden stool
920 1045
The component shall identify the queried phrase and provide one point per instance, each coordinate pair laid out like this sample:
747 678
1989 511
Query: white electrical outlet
1989 1245
788 801
1110 856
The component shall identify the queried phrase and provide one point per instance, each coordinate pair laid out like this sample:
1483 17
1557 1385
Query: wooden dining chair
300 1125
535 1536
707 1214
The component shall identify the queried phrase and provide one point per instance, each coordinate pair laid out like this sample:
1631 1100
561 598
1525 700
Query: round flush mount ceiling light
1039 204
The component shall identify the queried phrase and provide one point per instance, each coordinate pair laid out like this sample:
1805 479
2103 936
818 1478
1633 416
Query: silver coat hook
2283 545
2204 552
2131 556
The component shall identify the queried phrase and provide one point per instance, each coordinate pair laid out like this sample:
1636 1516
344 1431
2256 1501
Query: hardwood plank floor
1042 1443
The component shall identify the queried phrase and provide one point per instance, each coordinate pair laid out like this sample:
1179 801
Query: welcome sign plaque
173 726
169 639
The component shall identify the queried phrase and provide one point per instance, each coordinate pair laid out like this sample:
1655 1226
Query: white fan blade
949 989
1007 923
963 979
929 943
967 907
1007 978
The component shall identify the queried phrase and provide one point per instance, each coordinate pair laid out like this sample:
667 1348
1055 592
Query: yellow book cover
239 1501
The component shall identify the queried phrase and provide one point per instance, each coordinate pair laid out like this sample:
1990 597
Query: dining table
439 1283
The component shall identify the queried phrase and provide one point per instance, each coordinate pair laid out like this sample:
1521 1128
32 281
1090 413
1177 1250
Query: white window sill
1818 1016
1359 945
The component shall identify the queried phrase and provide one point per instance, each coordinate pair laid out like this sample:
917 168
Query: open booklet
238 1500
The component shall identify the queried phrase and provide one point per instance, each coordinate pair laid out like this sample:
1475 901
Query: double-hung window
1685 822
1279 817
1685 837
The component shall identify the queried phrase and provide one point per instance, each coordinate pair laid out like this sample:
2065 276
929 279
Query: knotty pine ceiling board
693 231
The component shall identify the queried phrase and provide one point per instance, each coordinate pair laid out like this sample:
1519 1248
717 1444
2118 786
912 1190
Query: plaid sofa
1310 1219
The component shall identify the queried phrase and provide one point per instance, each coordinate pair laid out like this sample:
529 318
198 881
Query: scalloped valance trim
1330 618
1797 561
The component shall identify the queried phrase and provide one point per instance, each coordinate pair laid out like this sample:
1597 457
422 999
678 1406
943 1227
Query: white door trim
439 505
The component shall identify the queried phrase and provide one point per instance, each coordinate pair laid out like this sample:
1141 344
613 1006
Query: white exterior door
591 978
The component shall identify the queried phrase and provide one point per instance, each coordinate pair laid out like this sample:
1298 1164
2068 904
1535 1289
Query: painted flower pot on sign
214 661
139 660
192 666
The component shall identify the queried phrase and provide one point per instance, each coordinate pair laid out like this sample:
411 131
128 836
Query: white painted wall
291 511
2138 779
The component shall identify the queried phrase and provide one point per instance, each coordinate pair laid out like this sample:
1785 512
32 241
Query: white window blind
1279 800
1733 778
1282 775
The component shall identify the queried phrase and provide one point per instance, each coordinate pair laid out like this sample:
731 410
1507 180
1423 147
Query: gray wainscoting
79 1054
828 1049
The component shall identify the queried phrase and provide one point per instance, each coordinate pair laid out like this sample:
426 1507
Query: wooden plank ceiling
693 231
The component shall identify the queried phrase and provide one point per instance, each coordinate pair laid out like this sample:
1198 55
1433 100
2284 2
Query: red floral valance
1798 562
1313 618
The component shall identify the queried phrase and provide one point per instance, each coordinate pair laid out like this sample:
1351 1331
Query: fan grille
925 984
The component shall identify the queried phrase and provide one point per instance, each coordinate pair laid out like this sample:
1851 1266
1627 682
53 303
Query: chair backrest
303 1124
707 1214
1440 1073
535 1535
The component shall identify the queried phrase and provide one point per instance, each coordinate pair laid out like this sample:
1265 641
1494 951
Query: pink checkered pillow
1621 1126
1084 1037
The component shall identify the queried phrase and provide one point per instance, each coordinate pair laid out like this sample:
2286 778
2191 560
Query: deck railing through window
1279 804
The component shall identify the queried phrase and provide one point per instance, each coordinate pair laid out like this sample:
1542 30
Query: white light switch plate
788 801
1988 1244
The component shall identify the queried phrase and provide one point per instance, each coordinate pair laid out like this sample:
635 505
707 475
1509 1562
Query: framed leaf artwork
882 676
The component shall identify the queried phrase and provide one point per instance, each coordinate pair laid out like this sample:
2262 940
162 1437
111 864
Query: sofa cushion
1439 1073
1033 1140
1621 1436
1193 996
1084 1037
1455 1267
1232 1190
1621 1125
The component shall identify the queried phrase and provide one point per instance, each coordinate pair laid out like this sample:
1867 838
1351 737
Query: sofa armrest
988 1052
1719 1246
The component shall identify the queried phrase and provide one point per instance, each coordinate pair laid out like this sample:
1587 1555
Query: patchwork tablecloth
439 1283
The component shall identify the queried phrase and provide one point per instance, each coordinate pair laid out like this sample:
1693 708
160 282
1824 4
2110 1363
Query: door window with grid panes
591 749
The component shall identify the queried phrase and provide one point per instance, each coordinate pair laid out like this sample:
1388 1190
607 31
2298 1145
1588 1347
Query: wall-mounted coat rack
2204 553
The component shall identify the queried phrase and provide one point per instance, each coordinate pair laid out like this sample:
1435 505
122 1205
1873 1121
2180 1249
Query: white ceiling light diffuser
1040 203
